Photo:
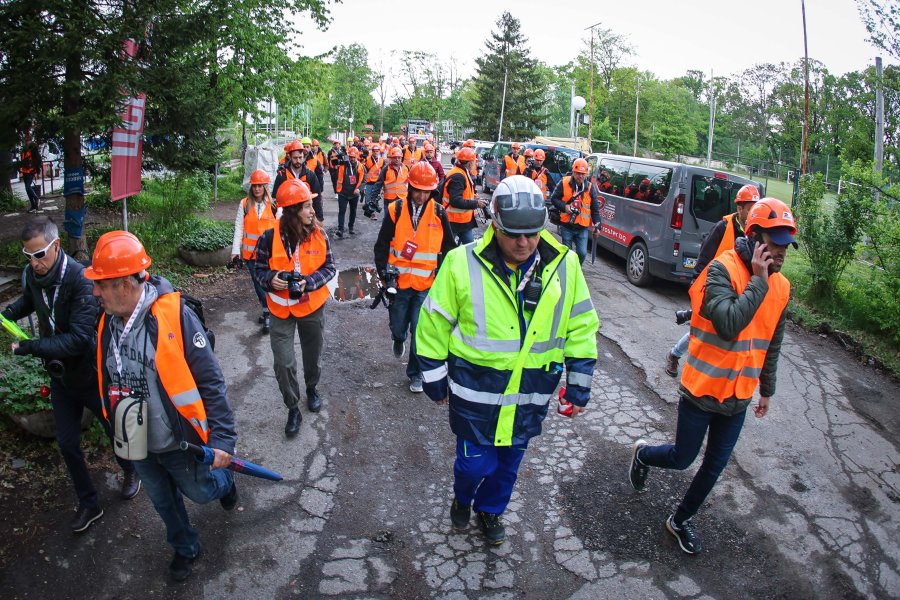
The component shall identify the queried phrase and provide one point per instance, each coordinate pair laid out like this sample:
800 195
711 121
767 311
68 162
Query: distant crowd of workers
493 324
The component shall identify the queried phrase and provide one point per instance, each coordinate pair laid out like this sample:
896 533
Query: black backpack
196 305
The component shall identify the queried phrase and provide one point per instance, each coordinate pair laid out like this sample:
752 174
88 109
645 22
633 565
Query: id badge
409 250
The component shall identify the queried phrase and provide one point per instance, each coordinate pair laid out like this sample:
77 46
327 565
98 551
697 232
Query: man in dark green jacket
739 307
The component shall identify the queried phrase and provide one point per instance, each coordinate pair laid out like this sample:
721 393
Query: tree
610 51
882 21
668 116
353 83
507 58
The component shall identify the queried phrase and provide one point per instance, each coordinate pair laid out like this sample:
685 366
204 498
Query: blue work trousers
404 316
463 236
168 477
485 474
575 239
693 424
681 346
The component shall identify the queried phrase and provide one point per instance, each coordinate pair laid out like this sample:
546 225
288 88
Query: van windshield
564 157
712 198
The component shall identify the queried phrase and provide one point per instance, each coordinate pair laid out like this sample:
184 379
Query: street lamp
578 102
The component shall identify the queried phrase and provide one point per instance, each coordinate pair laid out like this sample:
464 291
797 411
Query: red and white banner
127 145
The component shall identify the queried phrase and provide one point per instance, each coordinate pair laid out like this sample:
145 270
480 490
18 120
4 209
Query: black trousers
68 407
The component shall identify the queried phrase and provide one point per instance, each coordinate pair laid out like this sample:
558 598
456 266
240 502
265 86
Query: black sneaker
493 529
131 485
637 472
313 400
230 500
339 233
181 566
352 232
685 534
460 515
84 517
398 349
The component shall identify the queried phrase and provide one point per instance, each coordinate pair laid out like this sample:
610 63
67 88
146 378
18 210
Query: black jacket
315 183
73 339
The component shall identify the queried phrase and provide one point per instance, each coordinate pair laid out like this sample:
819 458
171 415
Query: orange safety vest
373 168
360 174
320 157
727 242
411 156
459 215
312 253
395 183
312 163
726 369
416 272
514 167
254 227
584 199
171 366
542 179
27 166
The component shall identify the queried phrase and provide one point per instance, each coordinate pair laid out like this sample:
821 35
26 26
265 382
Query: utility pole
502 104
804 156
637 106
572 112
879 115
591 124
712 118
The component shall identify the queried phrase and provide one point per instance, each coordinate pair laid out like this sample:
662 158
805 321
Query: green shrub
169 199
21 380
230 185
11 254
9 202
208 236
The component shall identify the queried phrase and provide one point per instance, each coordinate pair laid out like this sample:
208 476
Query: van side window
711 198
648 183
618 174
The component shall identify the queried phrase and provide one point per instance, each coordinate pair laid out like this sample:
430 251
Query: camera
391 274
293 279
55 368
683 316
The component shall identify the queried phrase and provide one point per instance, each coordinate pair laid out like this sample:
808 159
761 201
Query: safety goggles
40 253
513 235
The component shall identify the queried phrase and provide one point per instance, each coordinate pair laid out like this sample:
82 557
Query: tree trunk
75 208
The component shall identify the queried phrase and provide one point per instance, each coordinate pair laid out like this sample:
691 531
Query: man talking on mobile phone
739 305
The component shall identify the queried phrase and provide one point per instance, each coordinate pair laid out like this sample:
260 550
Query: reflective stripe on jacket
360 174
312 253
501 376
722 368
459 215
254 226
542 178
395 183
418 272
373 168
412 156
583 200
171 366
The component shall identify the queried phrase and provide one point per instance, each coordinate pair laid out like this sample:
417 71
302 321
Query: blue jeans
343 201
485 474
28 182
465 236
693 424
576 239
168 476
404 316
260 292
681 347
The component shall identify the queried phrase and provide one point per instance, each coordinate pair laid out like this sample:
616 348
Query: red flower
45 391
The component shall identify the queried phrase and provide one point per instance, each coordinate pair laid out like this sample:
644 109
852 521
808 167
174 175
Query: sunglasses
512 235
40 253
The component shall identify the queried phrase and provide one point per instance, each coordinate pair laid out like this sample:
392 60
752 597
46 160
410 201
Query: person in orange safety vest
153 356
513 162
255 214
739 305
414 235
578 203
392 179
538 173
294 265
459 198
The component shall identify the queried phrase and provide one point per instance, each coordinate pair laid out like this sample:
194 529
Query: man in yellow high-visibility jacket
504 317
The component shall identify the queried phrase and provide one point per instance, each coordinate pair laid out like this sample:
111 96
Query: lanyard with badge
410 247
52 305
116 390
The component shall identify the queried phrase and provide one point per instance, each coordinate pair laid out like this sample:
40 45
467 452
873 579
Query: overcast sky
669 36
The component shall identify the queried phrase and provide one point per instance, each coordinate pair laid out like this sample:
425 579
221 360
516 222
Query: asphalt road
807 508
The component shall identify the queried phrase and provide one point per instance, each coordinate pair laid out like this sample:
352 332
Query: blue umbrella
206 456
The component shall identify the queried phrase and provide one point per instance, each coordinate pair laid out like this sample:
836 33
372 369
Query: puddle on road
357 283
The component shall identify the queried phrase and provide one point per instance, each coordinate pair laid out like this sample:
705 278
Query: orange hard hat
427 147
469 143
117 254
402 137
465 154
355 138
394 140
315 142
580 166
367 143
259 177
395 152
422 176
645 182
353 152
529 152
295 145
771 213
515 146
539 154
293 191
287 147
748 193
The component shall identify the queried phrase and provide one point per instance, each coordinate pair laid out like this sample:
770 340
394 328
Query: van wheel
637 266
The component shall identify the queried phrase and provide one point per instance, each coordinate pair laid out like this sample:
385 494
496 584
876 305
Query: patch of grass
9 202
170 198
208 236
857 308
230 184
11 254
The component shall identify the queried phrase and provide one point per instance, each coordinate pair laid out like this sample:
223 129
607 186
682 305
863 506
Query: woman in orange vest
252 219
459 197
413 235
294 265
739 307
